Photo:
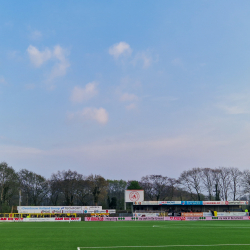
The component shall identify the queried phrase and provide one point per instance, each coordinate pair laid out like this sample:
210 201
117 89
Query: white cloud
177 62
2 80
119 49
58 54
79 94
30 86
131 106
234 110
235 104
100 115
144 58
38 57
61 66
36 35
128 97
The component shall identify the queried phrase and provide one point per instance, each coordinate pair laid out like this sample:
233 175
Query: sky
124 88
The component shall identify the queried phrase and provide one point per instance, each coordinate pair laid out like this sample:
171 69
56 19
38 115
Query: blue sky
124 88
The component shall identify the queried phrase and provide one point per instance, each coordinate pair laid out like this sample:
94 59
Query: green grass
69 236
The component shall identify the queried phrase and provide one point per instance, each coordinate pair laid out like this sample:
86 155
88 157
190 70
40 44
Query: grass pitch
125 235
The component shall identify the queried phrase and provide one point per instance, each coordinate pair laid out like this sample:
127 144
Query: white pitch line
214 245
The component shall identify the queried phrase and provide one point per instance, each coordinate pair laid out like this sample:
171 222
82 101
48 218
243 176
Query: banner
237 202
232 214
189 202
146 203
39 219
134 195
192 202
146 214
169 202
60 209
214 203
170 218
192 214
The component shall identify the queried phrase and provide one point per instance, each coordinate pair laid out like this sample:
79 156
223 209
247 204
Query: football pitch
125 235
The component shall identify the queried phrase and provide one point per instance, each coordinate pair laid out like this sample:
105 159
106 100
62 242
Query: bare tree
191 181
208 181
68 182
55 194
236 176
225 182
84 191
99 187
172 185
34 187
156 186
8 184
245 182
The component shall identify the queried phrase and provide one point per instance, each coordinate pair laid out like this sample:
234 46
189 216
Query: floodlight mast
125 200
20 197
20 200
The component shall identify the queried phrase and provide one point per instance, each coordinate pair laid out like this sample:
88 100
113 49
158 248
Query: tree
208 181
34 187
172 184
54 194
156 186
245 182
225 182
84 191
236 176
68 184
98 187
8 184
116 189
217 184
134 185
191 180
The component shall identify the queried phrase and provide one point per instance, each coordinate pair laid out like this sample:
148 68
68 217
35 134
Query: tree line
68 188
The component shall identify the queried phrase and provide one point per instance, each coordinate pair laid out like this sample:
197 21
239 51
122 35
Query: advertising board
237 202
146 214
213 202
94 218
192 202
169 218
39 219
50 219
232 214
134 195
92 208
177 218
192 214
60 209
169 202
146 203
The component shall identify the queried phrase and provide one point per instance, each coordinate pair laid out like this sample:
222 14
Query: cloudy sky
124 88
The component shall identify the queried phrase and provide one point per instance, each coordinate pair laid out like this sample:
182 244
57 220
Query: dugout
178 207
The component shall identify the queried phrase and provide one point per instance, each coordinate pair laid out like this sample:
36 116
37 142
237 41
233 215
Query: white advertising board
214 203
237 202
39 209
146 203
146 214
59 209
134 195
169 202
232 214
